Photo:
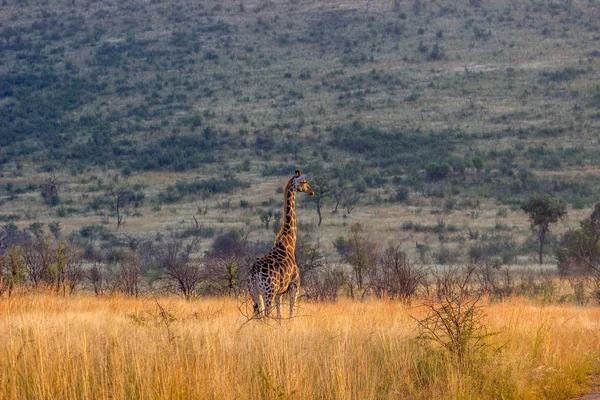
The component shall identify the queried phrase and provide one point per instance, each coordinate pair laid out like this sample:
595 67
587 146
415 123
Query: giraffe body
276 273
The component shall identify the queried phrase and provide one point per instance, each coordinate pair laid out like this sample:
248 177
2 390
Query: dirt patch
591 396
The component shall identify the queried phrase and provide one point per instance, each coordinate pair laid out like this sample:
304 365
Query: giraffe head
301 185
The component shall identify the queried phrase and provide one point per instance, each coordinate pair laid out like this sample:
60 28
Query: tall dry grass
83 347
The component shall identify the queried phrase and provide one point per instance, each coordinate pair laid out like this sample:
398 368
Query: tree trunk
319 211
542 239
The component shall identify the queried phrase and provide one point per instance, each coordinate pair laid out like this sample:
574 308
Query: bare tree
95 277
396 275
126 276
266 217
351 204
73 273
326 283
333 279
175 262
338 192
38 258
50 189
119 197
323 190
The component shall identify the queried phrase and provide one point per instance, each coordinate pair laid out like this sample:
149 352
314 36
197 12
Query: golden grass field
83 347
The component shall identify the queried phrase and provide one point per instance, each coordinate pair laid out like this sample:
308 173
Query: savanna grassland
144 147
84 347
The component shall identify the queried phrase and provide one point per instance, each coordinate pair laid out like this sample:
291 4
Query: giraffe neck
287 233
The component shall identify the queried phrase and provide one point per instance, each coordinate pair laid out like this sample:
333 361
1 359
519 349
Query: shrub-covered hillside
395 101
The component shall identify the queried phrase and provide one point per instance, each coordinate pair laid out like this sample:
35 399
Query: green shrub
437 171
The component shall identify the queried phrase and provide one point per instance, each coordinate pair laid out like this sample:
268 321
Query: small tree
277 215
95 277
587 249
478 163
266 217
73 272
361 254
543 211
14 268
323 190
126 278
222 275
397 276
581 248
328 283
119 197
54 228
437 171
178 268
39 258
50 189
37 228
310 261
350 204
338 192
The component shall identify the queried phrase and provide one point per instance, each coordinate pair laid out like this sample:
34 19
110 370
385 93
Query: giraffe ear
298 173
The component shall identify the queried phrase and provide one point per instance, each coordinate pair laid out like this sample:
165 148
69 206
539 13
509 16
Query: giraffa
276 273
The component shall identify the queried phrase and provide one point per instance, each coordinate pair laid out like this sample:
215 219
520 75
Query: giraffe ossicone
276 273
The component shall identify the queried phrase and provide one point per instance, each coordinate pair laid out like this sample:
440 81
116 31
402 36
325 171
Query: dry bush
495 281
125 275
40 262
326 284
180 270
72 272
360 253
222 277
396 276
13 269
38 259
95 276
454 317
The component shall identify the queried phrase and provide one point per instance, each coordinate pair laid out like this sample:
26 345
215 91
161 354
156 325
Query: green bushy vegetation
401 103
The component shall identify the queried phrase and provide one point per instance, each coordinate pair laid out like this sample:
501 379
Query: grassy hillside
443 114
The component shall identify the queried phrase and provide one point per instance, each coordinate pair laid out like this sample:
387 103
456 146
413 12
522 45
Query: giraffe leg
278 305
294 291
268 299
256 298
260 306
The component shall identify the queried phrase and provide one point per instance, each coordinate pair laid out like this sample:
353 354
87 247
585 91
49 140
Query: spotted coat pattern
276 273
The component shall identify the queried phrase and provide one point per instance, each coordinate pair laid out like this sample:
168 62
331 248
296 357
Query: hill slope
441 105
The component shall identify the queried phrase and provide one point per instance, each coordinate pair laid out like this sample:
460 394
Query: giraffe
276 273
